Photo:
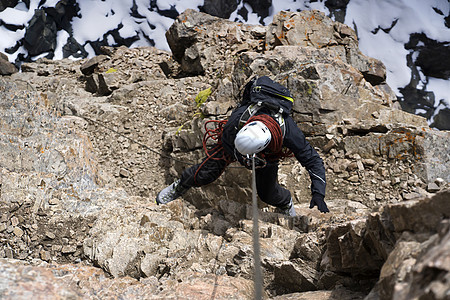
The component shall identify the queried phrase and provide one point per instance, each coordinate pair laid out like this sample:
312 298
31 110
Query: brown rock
195 37
45 255
352 166
92 83
306 28
22 281
124 173
50 235
68 249
330 145
419 215
336 294
18 231
197 286
7 68
415 268
369 162
353 178
344 252
89 66
296 277
14 221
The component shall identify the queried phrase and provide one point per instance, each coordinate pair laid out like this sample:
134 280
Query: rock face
87 145
21 280
54 30
417 266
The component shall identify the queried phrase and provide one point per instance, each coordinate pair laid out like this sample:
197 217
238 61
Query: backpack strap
251 110
279 118
254 108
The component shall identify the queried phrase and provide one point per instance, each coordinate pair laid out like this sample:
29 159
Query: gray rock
7 68
218 8
107 83
50 235
92 83
419 215
403 274
409 196
51 281
40 35
345 252
18 232
295 277
196 49
89 67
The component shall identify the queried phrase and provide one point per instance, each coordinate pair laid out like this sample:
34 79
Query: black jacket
294 140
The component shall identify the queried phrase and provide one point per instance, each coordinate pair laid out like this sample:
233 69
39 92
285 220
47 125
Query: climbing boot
171 193
287 210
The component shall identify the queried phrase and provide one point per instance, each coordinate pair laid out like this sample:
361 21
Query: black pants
268 189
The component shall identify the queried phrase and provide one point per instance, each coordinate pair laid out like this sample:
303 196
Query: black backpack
264 93
271 94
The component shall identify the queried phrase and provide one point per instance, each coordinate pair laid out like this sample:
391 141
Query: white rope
258 282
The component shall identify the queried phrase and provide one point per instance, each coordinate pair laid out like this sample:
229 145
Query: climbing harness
260 162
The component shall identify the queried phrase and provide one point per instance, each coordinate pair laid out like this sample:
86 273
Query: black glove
321 205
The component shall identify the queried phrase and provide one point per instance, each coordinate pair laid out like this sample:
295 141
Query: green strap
286 97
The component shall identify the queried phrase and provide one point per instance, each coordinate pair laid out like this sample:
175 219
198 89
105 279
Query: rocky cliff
416 54
88 144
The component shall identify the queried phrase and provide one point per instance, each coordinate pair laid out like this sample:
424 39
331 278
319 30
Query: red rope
275 146
214 134
276 143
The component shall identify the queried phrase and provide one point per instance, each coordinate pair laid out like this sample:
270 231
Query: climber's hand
317 200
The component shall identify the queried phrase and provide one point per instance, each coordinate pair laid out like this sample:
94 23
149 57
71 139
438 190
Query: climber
259 130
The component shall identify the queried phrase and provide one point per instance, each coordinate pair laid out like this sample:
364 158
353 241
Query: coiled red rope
276 143
275 146
214 134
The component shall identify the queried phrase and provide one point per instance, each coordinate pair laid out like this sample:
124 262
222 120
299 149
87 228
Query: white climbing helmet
252 138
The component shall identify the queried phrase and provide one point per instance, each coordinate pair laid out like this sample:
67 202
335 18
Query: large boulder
203 43
41 34
6 68
404 236
318 83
